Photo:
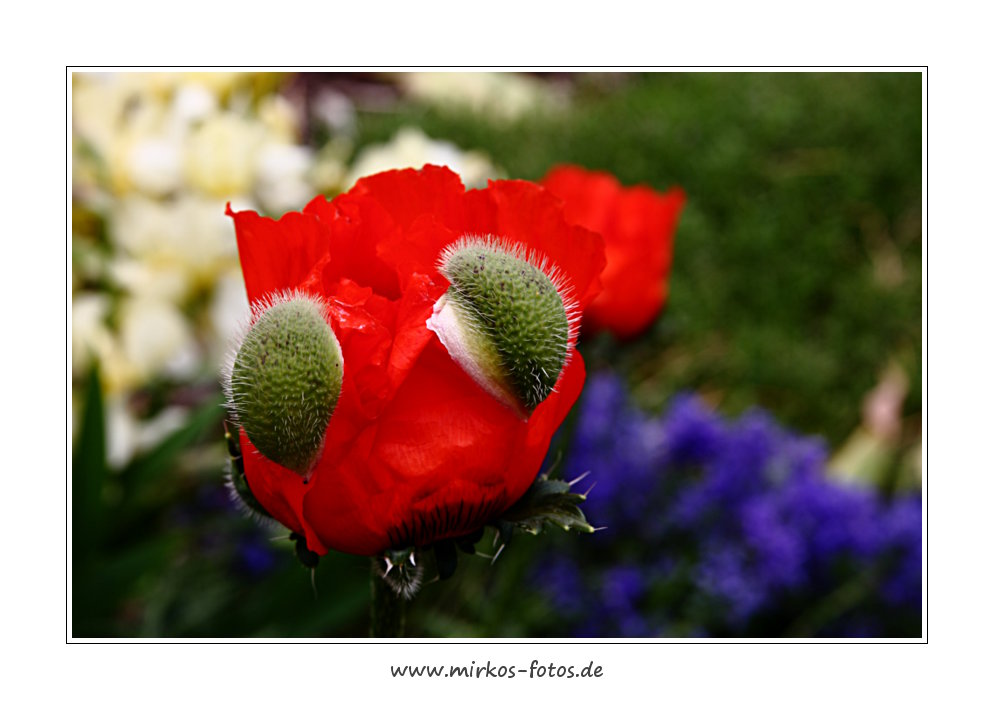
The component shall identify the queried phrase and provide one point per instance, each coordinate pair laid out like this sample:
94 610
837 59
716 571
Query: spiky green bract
549 501
514 314
286 380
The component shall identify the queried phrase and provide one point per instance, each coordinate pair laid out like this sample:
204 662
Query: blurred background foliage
796 288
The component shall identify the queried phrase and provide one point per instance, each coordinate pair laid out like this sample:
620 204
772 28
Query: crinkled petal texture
638 225
415 451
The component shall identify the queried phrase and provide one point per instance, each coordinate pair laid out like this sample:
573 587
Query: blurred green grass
796 280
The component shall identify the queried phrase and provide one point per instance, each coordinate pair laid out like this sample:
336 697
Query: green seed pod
505 320
285 380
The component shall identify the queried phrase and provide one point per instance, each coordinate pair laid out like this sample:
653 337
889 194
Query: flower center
286 379
504 320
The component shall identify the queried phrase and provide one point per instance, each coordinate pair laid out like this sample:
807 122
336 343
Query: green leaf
89 471
99 592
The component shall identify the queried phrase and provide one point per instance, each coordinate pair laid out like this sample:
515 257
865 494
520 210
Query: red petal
279 490
355 232
638 226
444 458
277 255
408 194
412 215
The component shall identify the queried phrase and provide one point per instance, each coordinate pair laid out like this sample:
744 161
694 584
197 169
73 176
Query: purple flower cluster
722 527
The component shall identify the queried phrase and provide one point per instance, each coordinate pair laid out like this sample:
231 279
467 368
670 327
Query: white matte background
42 670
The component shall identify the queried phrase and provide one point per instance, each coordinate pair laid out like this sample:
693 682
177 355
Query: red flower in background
638 226
416 451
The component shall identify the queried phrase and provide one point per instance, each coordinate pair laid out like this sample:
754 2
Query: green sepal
504 320
547 501
237 482
285 381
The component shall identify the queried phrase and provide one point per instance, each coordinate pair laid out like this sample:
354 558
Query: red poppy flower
638 225
415 451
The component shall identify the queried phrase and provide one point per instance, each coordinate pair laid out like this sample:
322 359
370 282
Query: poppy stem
386 612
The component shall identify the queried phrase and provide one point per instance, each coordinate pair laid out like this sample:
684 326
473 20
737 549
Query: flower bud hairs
284 378
508 319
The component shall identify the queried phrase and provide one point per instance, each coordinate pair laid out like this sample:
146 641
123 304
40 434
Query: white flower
282 181
221 155
121 430
127 435
139 146
192 104
153 165
157 339
501 96
207 244
166 249
157 156
161 281
410 148
136 127
279 119
90 334
98 109
92 340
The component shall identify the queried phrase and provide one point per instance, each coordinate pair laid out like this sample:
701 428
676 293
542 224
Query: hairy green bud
285 380
504 320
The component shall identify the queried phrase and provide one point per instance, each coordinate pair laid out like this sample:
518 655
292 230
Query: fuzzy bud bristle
505 320
286 379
